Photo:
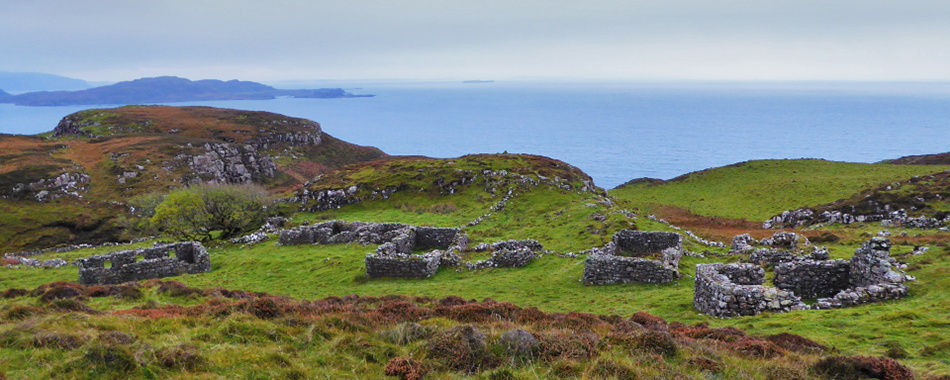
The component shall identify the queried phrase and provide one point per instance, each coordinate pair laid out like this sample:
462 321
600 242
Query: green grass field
758 190
564 221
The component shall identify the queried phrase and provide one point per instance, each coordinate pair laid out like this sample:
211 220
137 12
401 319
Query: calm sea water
615 132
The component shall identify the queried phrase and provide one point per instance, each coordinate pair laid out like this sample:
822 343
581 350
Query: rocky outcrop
68 183
228 163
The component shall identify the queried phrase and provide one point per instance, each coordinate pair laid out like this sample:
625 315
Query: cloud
292 39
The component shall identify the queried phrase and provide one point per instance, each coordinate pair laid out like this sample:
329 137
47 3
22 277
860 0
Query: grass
758 190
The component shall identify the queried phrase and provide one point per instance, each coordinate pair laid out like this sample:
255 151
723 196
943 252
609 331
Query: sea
614 131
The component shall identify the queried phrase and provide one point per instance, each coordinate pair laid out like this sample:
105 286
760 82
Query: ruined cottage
163 260
635 256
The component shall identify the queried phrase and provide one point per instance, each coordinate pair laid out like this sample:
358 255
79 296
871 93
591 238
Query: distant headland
167 89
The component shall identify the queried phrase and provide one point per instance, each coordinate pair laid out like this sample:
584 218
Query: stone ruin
870 276
728 290
635 256
508 253
341 232
163 260
395 256
782 247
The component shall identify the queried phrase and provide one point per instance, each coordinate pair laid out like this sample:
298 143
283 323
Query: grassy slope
758 190
552 282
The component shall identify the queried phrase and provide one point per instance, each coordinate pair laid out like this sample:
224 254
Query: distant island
167 89
25 82
478 81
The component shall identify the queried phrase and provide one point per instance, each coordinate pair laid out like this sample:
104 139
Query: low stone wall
611 264
402 265
341 232
730 290
813 279
156 262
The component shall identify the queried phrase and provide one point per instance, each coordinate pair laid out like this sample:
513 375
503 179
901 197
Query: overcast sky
112 40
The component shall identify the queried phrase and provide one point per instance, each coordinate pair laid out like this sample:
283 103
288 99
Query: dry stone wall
812 279
730 290
870 276
635 256
144 263
509 254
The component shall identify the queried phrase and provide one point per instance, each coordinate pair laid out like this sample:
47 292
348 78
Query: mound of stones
162 260
635 256
782 247
508 254
728 290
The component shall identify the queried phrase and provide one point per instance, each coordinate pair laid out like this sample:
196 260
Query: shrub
61 292
405 333
796 343
176 289
127 292
194 212
502 374
265 308
405 368
72 305
656 342
110 358
183 357
58 341
651 322
860 367
567 345
462 348
116 338
703 363
14 292
17 312
785 373
758 348
609 369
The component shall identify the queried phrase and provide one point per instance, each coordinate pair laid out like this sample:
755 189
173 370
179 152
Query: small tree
195 212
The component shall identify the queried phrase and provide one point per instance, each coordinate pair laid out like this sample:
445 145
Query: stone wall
730 290
873 277
611 264
144 263
869 276
341 232
812 279
402 265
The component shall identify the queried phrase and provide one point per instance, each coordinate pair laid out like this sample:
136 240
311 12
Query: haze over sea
613 131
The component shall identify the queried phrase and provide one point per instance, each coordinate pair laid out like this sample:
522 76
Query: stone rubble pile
508 254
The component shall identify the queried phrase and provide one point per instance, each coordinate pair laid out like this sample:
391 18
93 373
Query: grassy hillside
93 161
211 333
757 190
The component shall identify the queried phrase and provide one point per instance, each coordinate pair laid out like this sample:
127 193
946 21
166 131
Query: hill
70 181
19 82
757 190
168 90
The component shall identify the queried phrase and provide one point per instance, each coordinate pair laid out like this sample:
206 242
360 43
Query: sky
655 40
